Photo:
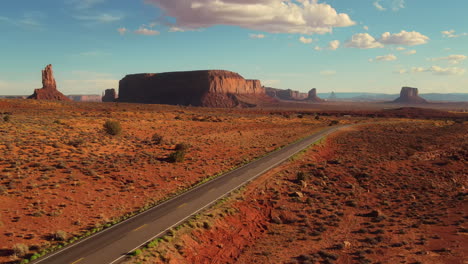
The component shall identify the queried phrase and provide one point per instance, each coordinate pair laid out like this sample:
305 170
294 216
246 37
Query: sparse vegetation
112 127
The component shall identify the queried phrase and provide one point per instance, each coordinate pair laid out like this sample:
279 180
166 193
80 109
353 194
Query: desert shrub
334 122
112 127
302 176
182 146
177 156
60 235
7 118
3 190
75 142
20 250
156 139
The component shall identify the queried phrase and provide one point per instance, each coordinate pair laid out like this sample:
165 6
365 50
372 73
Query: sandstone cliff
285 94
312 97
211 88
109 95
409 95
49 87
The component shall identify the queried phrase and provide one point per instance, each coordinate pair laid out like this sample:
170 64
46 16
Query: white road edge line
207 205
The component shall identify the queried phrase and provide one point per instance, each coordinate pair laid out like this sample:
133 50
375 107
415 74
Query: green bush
112 127
177 156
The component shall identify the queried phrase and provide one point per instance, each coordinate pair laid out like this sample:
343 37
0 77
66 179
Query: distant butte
313 96
409 95
109 95
208 88
49 87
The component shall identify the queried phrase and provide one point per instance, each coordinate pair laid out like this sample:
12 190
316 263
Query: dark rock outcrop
313 96
109 95
210 88
285 94
409 95
49 87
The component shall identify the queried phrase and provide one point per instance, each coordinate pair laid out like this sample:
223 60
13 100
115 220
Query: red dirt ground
380 193
59 171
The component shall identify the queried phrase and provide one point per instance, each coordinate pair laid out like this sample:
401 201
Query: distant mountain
449 97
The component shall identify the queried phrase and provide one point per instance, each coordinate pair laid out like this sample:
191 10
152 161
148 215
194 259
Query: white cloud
401 71
271 83
410 52
305 40
146 31
363 41
122 30
378 6
334 45
451 34
317 48
400 48
30 20
452 59
176 29
327 73
395 5
256 36
388 57
436 70
101 18
275 16
365 28
403 38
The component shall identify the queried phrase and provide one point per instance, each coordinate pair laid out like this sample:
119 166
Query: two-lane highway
111 245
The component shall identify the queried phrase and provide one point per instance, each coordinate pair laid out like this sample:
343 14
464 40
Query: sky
332 45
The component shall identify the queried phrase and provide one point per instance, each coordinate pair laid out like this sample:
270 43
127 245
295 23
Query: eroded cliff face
210 88
409 95
285 94
312 97
49 87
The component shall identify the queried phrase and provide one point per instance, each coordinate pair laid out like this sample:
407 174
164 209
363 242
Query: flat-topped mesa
313 96
210 88
285 94
409 95
109 95
49 87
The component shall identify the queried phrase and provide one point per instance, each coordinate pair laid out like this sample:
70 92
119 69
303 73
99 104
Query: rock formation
49 87
85 97
313 96
409 95
210 88
285 94
109 95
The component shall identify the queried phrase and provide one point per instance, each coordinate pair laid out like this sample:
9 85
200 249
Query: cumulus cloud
275 16
317 48
410 52
101 18
395 5
366 41
365 28
403 38
452 59
378 6
400 48
256 36
388 57
122 30
146 31
451 34
363 41
334 45
327 73
305 40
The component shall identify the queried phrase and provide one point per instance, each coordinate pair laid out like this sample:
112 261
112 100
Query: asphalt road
111 245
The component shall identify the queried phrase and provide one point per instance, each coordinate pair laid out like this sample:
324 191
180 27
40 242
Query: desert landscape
233 131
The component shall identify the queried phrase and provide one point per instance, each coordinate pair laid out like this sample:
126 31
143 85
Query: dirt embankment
387 193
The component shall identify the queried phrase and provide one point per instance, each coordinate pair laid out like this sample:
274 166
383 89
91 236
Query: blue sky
334 45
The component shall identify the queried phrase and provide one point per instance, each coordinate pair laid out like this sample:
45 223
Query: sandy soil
384 193
59 170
